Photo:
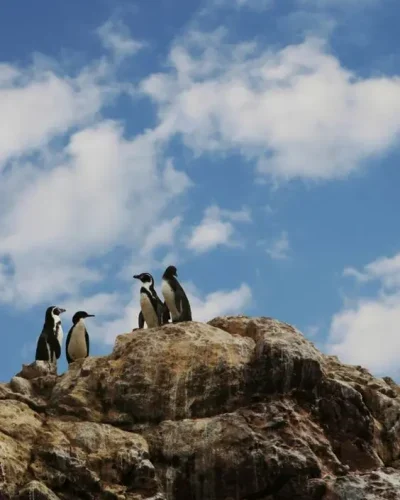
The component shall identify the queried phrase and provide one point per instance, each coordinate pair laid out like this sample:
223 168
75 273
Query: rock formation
237 409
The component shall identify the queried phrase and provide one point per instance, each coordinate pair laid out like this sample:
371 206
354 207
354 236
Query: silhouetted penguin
77 345
50 340
153 311
175 297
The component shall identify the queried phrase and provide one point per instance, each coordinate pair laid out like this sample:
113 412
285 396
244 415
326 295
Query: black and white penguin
153 311
50 340
175 296
77 345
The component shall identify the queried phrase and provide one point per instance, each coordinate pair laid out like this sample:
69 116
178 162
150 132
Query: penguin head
81 315
170 272
54 311
145 278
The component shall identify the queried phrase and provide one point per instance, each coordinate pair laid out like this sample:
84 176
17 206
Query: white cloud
312 331
220 302
160 235
368 334
41 101
366 330
279 249
123 322
101 305
71 201
243 215
115 36
385 269
297 112
214 231
210 234
176 180
38 105
77 212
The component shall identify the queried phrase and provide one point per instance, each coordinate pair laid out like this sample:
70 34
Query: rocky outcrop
238 409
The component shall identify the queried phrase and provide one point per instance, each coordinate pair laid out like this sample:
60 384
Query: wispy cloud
312 331
257 5
80 192
216 228
161 235
279 249
116 37
297 112
219 302
254 5
385 269
365 331
367 334
38 104
209 234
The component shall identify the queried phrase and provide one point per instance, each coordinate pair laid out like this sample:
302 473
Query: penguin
50 340
77 345
153 311
175 296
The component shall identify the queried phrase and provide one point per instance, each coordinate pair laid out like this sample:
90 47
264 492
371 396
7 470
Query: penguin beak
61 310
90 315
136 276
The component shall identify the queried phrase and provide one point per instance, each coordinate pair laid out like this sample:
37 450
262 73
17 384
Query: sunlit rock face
237 409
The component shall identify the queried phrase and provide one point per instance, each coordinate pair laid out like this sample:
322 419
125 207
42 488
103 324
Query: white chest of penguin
149 314
77 344
60 332
169 296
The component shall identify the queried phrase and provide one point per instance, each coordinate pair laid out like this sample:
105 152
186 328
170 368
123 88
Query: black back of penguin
175 296
77 345
49 342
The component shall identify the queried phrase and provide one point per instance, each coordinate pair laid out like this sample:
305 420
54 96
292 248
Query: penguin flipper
42 353
87 342
179 307
159 311
55 346
141 320
57 349
166 314
182 304
186 310
67 344
179 301
162 312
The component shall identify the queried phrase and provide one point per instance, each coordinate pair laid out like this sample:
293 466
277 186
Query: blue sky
252 143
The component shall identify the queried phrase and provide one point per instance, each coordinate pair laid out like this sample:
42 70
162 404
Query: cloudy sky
252 143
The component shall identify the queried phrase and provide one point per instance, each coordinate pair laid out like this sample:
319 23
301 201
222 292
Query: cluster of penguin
152 311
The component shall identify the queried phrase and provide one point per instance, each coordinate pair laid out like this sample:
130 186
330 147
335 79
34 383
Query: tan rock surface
237 409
